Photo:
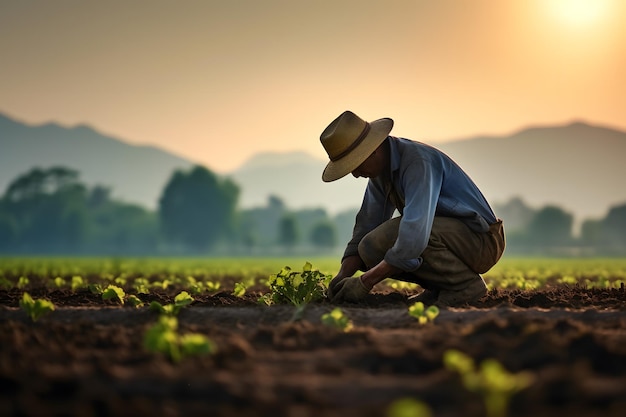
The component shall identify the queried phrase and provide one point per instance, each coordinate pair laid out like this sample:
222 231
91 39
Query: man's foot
473 292
428 297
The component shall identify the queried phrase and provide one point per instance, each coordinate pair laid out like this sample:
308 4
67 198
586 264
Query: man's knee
370 252
375 244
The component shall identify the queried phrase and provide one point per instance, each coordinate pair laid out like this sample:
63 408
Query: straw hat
350 140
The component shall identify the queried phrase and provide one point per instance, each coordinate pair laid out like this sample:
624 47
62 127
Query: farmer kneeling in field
446 234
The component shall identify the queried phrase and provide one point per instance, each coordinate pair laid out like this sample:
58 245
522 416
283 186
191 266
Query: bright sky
217 81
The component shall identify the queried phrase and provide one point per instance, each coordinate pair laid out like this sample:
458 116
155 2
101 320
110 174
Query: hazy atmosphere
219 81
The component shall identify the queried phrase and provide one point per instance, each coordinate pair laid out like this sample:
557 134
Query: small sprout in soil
164 338
491 380
423 314
22 282
239 290
113 292
337 319
408 407
297 288
59 282
35 308
77 282
95 289
212 285
141 285
134 301
181 300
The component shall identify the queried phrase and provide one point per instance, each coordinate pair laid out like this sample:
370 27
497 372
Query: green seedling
491 380
297 288
239 290
212 285
141 285
113 292
134 301
95 289
35 308
337 319
164 338
77 282
422 314
59 282
181 300
408 407
22 282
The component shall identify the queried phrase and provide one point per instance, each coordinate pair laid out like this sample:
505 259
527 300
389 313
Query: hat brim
379 130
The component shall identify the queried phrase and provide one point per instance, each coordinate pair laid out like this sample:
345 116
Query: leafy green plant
337 319
35 308
113 292
297 288
422 314
181 300
77 282
95 289
59 282
141 285
212 285
239 290
134 301
163 337
22 282
408 407
490 379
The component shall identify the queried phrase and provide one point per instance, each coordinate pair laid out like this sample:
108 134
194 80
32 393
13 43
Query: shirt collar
394 155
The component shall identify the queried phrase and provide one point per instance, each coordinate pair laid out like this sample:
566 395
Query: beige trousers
455 256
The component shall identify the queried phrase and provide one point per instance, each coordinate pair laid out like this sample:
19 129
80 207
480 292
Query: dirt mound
87 358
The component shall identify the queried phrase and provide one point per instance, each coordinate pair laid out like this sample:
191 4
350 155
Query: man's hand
333 286
349 289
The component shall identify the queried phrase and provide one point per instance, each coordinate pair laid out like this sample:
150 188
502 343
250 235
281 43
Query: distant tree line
50 211
550 230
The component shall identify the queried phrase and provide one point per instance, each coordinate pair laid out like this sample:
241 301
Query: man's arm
378 273
349 266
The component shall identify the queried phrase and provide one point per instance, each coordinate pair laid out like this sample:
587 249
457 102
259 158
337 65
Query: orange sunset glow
218 81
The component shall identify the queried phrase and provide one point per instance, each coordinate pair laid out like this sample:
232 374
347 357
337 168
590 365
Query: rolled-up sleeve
421 181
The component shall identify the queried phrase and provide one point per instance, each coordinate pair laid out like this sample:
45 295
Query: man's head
349 141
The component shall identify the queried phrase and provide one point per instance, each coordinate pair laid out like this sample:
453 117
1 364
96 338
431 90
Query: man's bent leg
375 244
448 262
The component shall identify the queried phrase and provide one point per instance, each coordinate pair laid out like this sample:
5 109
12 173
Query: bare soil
87 357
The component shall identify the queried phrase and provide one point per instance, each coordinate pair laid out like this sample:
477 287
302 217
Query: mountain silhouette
578 166
136 174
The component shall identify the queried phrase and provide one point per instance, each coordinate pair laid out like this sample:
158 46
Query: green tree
614 226
551 226
197 208
324 235
8 229
48 206
288 231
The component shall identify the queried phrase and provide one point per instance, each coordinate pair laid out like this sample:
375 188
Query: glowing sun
579 12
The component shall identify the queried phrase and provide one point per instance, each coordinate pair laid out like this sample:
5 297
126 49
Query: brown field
87 357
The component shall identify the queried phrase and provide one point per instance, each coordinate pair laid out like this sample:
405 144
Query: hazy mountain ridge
135 173
577 166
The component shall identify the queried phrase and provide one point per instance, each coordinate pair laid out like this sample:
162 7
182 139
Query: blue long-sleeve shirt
427 183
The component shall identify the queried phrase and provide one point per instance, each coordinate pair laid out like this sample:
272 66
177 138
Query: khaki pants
455 256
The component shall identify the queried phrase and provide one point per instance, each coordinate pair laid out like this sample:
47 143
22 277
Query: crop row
211 274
